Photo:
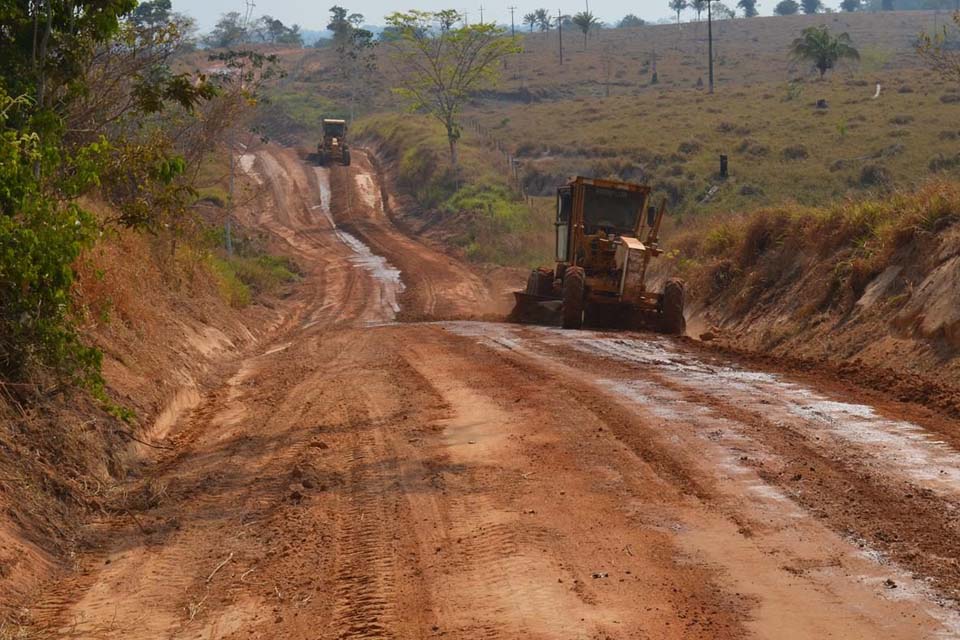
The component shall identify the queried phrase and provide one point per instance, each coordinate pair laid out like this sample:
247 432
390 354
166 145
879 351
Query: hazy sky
313 15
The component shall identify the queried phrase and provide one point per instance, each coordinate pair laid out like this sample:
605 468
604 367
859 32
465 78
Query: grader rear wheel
573 298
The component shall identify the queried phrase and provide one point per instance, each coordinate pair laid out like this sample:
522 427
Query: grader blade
533 309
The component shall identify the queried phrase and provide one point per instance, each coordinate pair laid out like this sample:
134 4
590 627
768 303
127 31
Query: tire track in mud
365 598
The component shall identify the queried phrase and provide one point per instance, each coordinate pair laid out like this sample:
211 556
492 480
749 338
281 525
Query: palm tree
544 22
530 19
677 6
585 21
699 6
823 50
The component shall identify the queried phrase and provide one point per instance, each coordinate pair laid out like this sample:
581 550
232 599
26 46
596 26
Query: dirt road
357 477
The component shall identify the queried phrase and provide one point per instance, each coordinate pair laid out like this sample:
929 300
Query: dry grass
851 240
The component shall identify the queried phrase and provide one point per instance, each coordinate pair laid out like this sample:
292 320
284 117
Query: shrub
940 162
901 120
42 233
753 148
950 98
795 152
874 175
232 289
688 147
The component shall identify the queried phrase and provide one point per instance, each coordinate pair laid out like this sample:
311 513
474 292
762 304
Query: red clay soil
356 477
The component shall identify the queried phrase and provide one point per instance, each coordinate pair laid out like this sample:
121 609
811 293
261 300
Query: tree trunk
452 140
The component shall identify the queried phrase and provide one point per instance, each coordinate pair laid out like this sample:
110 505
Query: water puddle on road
386 276
902 446
247 161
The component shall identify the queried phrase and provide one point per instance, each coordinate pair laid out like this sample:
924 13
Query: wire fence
510 165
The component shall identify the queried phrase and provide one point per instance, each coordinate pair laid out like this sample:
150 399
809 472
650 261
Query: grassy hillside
599 113
764 114
476 210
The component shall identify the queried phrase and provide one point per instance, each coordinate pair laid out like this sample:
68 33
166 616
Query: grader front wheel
573 298
672 320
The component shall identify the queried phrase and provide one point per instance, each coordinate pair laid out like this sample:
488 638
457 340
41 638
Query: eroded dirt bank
354 477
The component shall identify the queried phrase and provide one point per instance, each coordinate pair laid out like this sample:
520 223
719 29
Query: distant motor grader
333 146
602 262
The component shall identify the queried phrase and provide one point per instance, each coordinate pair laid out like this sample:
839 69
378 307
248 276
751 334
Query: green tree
42 233
699 6
358 62
152 14
228 32
544 21
341 23
749 8
677 6
631 20
585 21
811 6
530 20
787 8
850 5
438 70
817 46
723 12
43 48
272 30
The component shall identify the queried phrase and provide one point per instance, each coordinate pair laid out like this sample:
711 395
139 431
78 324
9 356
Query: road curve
359 477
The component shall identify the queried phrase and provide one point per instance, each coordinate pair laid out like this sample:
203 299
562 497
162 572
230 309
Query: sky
313 15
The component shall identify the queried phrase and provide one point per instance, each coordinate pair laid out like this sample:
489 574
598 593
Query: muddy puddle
387 277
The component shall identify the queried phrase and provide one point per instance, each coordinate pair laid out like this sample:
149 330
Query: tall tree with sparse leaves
439 69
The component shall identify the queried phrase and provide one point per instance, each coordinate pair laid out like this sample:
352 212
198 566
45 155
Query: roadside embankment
165 314
872 286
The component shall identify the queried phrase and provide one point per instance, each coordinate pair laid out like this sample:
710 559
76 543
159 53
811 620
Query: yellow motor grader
602 261
333 146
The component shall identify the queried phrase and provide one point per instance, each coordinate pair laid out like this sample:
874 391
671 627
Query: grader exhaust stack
602 262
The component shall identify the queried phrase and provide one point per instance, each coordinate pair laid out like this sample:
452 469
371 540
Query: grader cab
607 233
